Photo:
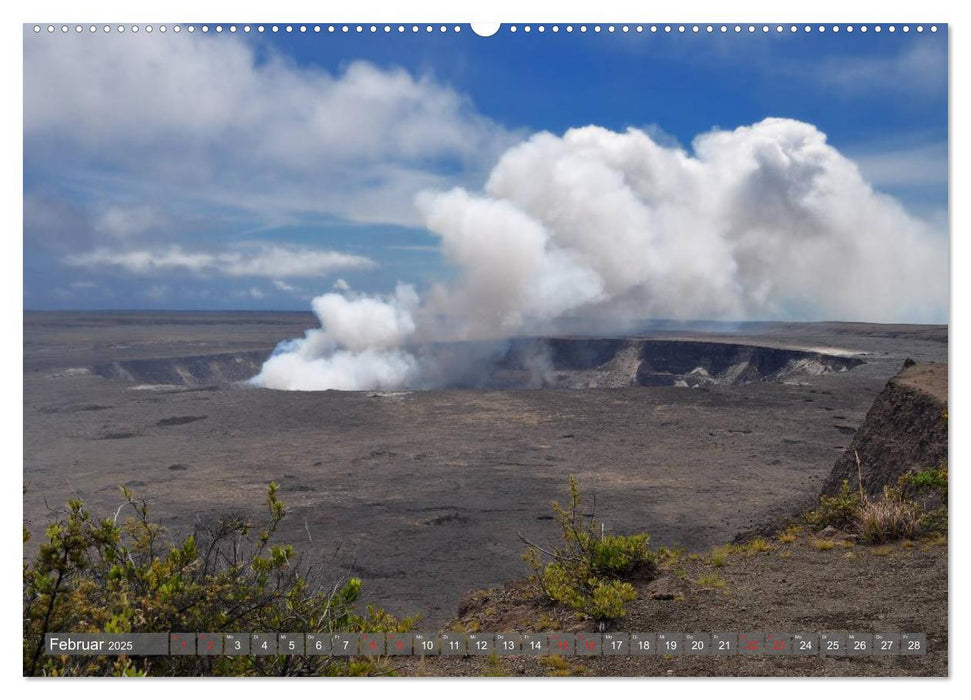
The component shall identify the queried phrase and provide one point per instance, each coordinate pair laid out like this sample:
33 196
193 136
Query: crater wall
552 363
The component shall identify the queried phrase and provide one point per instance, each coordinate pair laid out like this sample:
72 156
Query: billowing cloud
766 221
225 121
271 261
358 345
763 222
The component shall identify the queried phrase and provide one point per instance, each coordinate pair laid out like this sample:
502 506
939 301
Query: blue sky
232 172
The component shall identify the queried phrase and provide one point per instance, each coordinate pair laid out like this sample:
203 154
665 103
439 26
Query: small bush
227 576
609 599
587 568
837 511
823 545
914 484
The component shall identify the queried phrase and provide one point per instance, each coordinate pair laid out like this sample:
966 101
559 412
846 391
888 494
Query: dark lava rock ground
423 493
807 584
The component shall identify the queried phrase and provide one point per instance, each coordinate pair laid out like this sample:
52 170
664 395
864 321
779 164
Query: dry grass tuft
887 519
719 556
710 581
757 546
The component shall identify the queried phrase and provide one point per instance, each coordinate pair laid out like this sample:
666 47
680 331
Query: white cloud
209 119
903 66
414 248
919 69
283 286
272 261
909 166
124 222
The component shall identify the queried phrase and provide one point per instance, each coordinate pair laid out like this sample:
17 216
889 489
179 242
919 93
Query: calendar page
518 349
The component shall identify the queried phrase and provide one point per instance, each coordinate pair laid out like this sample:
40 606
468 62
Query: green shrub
838 511
586 569
619 555
609 598
914 484
229 575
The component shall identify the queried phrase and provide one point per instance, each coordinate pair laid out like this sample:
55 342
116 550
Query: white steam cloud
356 347
763 222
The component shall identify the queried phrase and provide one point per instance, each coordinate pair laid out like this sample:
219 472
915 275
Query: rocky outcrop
905 430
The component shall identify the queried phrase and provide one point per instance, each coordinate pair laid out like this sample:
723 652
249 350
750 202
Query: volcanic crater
425 493
558 363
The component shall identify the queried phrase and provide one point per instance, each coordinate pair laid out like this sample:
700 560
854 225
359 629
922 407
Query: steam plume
766 222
